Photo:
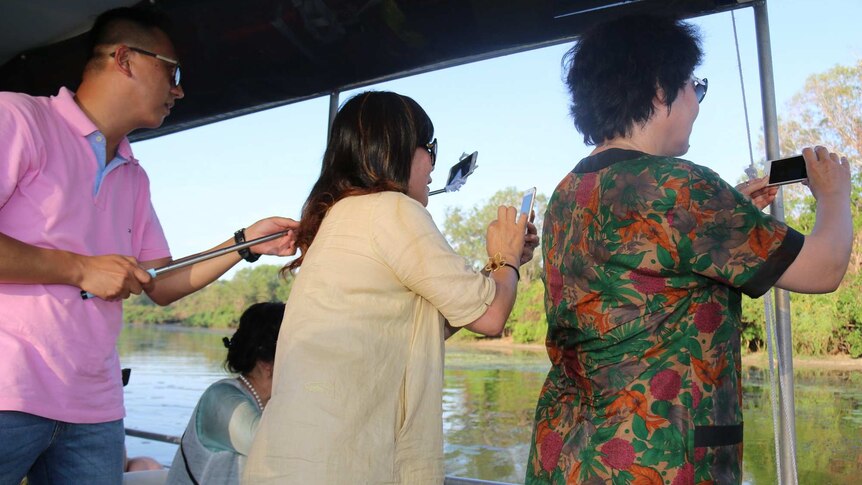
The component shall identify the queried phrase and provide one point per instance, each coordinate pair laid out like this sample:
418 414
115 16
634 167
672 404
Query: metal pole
166 438
147 435
333 110
197 258
787 445
450 480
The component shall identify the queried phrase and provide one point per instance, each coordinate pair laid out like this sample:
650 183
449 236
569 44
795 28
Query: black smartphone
787 170
463 168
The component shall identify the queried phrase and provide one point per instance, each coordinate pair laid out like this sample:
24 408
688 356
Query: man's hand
112 277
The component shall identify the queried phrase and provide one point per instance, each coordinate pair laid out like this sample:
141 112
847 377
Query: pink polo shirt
58 355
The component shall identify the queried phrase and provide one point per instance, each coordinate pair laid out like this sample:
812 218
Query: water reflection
488 402
828 425
171 367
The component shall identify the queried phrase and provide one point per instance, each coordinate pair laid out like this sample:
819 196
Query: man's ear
121 60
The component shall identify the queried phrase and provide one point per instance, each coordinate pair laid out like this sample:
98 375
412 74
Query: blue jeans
58 453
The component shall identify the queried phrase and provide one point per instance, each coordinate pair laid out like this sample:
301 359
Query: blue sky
210 181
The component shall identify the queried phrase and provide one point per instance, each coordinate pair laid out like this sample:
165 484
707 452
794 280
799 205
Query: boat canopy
243 57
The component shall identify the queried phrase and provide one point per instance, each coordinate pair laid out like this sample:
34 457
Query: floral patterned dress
646 258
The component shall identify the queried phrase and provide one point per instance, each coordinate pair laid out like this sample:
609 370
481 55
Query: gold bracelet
497 261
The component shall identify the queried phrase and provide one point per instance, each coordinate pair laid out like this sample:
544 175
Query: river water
488 403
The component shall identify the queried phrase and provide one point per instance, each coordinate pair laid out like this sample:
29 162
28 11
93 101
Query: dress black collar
605 159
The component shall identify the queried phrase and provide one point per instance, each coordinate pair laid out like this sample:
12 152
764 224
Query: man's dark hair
616 69
255 338
128 25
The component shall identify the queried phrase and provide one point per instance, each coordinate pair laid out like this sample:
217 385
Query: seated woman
219 434
357 395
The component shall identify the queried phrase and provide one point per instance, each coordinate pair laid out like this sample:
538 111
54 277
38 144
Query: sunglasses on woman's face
432 150
700 86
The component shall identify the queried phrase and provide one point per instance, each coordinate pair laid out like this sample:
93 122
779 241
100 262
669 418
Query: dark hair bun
255 338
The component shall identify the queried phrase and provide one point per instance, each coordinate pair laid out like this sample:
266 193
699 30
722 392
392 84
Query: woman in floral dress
646 257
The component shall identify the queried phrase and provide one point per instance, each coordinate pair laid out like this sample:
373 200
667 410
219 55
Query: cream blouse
357 387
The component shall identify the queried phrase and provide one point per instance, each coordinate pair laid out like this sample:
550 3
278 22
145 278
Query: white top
217 437
357 388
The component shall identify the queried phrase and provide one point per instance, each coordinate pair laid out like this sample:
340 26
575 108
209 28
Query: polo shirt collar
65 105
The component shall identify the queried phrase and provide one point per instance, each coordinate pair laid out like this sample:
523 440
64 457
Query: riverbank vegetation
219 305
828 112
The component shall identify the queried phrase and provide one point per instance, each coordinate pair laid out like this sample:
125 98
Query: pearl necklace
253 392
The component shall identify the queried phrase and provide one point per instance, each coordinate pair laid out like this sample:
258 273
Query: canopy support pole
787 445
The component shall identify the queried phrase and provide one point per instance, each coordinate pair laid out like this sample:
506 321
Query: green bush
854 343
527 323
752 331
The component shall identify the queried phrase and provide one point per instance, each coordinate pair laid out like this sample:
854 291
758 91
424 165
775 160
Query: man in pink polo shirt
75 213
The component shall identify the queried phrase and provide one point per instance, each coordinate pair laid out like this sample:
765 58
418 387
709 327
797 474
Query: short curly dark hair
255 338
616 69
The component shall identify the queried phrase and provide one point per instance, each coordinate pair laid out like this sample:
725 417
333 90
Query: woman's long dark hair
371 146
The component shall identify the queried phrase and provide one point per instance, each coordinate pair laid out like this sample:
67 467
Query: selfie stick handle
197 258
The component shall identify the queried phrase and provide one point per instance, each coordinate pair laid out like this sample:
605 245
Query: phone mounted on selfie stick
458 173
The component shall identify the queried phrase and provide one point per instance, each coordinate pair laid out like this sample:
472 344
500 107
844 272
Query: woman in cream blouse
357 388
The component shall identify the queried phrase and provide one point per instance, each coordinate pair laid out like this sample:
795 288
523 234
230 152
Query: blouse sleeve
405 237
227 419
727 238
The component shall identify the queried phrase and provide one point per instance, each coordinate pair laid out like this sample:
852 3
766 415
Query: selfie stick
197 258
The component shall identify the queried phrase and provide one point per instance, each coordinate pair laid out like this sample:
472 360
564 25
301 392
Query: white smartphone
787 170
527 202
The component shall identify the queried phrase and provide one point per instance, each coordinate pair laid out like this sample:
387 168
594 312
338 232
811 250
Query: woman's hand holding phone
506 236
531 240
828 174
758 191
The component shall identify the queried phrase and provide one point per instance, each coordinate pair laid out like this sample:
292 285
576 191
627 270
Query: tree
465 229
827 112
